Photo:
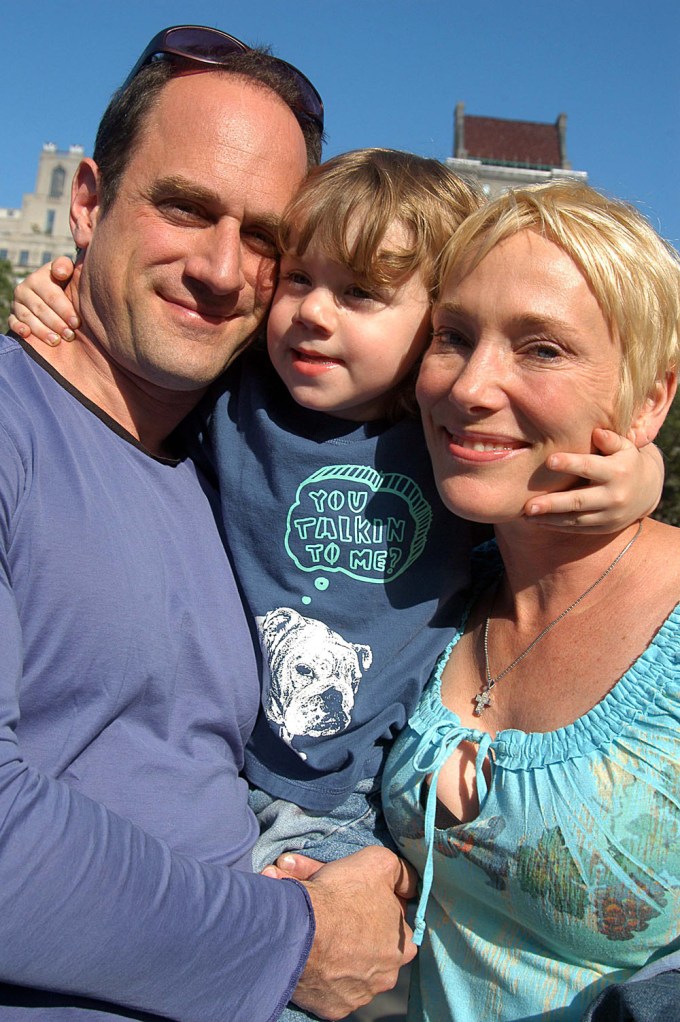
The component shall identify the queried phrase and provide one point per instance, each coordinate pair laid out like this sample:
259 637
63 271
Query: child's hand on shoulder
40 306
624 484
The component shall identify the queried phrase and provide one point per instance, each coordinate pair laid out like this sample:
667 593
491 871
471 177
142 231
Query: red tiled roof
526 142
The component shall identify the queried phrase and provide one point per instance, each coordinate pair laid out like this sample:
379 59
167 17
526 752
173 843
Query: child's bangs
349 226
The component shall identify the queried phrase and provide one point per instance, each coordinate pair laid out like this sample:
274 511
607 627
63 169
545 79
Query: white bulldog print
315 674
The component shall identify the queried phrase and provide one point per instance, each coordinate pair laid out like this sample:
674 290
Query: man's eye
261 241
183 212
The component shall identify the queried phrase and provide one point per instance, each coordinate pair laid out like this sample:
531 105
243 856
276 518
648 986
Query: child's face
339 348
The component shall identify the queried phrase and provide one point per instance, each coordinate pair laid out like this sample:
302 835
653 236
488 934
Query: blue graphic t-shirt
352 570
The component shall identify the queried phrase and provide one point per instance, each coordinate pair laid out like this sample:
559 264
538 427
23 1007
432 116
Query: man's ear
650 417
85 202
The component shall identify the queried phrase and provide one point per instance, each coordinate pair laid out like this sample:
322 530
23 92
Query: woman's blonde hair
633 273
348 204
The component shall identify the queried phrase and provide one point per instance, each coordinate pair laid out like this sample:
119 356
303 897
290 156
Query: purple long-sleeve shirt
127 692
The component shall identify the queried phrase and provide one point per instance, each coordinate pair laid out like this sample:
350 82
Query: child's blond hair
347 205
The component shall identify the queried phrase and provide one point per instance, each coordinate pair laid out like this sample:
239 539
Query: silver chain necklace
483 698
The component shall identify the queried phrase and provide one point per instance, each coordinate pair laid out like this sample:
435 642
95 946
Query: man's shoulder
16 425
8 346
19 379
13 358
35 411
16 379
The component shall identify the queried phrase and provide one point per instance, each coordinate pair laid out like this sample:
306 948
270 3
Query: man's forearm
90 905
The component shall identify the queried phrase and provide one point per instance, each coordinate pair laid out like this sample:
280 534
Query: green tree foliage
669 442
6 290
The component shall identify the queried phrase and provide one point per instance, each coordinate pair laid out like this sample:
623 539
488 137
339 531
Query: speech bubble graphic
356 520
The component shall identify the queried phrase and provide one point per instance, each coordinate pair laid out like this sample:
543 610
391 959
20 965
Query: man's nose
217 260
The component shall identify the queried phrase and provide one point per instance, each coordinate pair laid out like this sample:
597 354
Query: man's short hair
121 126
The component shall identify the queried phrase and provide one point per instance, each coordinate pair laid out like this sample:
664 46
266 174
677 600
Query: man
128 686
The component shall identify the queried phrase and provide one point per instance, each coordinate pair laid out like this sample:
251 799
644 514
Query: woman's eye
545 351
446 337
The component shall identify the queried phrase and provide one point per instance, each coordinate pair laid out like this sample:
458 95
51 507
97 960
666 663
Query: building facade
497 154
39 231
494 153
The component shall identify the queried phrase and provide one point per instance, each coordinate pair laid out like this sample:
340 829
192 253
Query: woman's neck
546 570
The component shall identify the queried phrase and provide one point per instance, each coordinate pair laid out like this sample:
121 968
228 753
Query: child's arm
40 306
625 485
625 481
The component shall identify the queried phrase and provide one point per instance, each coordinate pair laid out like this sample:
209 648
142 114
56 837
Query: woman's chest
577 858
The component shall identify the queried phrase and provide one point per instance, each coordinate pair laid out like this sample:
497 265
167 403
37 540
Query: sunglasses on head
211 48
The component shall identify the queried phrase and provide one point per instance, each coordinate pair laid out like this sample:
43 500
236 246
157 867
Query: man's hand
362 938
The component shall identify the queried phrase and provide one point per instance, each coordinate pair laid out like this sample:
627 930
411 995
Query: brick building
498 154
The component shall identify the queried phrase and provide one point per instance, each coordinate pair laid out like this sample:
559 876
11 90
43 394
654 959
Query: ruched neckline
440 730
637 691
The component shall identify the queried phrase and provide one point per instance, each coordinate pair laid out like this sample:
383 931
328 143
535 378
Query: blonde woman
536 788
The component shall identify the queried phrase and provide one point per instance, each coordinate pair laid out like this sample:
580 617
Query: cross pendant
483 699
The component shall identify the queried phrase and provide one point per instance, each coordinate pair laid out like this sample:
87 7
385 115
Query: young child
353 571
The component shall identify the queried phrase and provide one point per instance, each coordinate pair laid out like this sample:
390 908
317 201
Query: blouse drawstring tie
437 743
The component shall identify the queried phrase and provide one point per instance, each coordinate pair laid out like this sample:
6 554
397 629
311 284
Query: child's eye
362 294
296 278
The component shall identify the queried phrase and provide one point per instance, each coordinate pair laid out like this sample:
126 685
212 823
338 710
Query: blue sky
390 72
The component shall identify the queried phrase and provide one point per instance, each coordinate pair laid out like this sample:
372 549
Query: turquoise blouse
569 877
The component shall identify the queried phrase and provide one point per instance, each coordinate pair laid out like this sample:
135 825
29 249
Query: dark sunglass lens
311 99
211 46
203 43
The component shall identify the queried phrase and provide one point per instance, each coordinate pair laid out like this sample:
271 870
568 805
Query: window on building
23 257
57 183
49 221
4 253
46 257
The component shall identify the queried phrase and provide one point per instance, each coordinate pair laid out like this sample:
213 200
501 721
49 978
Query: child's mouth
314 359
